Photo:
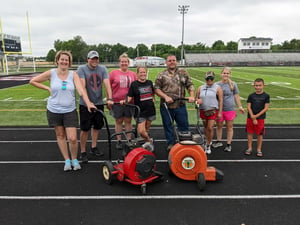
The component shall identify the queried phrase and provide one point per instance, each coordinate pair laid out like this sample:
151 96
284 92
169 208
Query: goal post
13 59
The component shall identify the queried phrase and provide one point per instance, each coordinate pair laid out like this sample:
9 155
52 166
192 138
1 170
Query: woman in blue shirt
61 105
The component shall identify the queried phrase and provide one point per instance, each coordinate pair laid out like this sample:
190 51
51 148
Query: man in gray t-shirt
92 77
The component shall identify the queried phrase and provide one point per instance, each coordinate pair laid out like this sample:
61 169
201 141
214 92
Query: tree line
111 53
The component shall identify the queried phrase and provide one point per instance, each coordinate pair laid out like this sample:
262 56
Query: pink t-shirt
120 83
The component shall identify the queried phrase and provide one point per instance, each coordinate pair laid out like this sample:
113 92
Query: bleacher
241 59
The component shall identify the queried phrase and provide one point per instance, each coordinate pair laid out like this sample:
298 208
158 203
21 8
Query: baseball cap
92 54
210 75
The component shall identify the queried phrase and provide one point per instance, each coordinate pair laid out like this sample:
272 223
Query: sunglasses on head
64 85
209 78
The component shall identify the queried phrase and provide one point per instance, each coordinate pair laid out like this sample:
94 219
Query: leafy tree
232 46
116 51
218 45
142 50
50 56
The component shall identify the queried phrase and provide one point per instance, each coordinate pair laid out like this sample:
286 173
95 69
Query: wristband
240 107
109 99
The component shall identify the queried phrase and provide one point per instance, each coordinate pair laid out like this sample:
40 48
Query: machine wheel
201 182
144 189
107 170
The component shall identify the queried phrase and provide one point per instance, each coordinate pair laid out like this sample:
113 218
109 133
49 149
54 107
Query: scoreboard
11 43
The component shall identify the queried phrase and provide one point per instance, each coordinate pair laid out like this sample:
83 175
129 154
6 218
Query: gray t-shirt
94 82
228 95
208 94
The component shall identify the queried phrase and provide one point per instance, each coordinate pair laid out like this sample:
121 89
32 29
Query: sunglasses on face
64 85
209 78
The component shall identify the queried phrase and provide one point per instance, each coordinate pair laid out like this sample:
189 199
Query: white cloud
132 22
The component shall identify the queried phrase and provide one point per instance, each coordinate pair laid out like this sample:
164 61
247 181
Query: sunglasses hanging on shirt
64 85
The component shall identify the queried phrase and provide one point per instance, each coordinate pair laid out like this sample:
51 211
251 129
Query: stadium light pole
182 10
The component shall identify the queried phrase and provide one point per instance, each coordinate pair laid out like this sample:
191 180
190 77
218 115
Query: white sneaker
217 144
67 166
149 146
207 149
227 148
76 165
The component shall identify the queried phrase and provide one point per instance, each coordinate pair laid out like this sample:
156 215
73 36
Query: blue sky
132 22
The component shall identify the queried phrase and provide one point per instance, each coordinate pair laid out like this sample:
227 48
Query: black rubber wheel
201 182
107 170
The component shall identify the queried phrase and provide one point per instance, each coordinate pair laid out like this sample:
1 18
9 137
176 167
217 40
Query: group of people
216 101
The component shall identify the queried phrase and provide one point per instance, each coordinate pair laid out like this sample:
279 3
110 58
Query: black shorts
91 119
120 111
62 119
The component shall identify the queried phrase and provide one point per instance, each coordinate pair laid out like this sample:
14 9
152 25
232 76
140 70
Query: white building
254 44
149 61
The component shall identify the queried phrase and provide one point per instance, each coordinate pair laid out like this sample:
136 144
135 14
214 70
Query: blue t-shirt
62 99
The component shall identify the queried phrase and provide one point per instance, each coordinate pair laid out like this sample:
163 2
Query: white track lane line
143 197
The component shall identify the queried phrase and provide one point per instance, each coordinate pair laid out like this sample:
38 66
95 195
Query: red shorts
258 129
213 117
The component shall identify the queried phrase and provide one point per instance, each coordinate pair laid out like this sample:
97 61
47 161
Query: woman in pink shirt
120 80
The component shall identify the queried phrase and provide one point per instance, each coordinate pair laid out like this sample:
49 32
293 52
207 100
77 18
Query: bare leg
229 129
73 142
128 126
119 128
219 131
95 134
250 138
259 142
83 139
61 141
210 131
142 131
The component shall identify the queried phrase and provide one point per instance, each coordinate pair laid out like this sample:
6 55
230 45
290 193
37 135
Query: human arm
191 98
82 91
161 94
220 101
198 99
238 102
108 93
38 80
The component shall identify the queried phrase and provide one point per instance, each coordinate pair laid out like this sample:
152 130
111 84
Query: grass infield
25 105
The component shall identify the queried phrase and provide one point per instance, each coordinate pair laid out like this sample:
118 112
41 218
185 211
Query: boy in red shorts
257 105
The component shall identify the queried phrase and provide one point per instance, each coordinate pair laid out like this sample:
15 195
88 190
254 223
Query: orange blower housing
188 161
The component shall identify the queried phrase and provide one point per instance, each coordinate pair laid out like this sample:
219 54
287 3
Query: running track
34 189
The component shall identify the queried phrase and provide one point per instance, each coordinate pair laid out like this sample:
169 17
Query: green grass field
25 105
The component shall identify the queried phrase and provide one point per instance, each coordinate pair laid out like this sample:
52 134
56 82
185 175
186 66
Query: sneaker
76 165
208 149
68 166
96 151
227 148
119 145
149 146
170 146
84 157
217 144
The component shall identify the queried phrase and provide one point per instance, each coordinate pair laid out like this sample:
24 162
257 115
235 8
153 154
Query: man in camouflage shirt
170 85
